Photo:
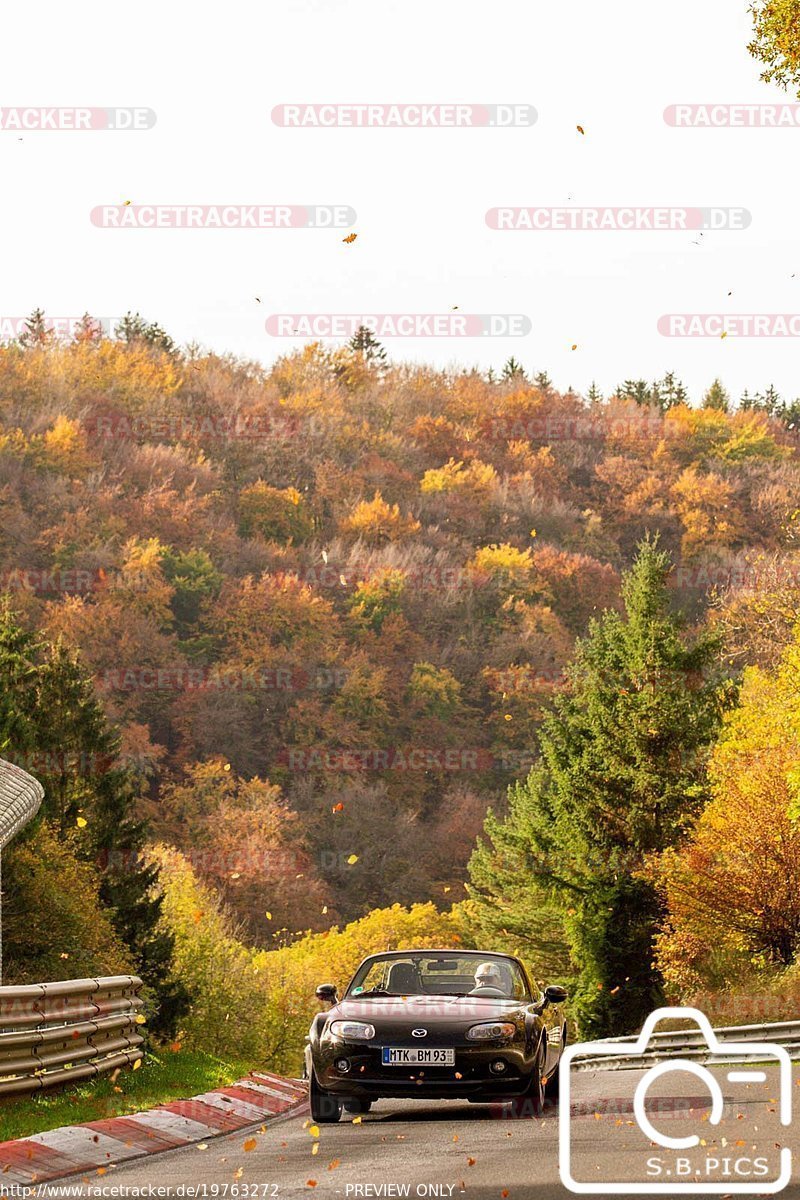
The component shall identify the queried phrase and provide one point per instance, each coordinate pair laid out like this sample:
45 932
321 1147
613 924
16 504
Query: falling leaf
333 1164
447 889
356 1120
227 767
504 1193
324 556
238 1173
268 915
338 807
315 1148
126 203
249 1145
314 1130
174 1047
140 1019
137 1064
471 1162
574 346
81 822
351 237
63 955
324 909
724 335
580 129
352 859
455 1137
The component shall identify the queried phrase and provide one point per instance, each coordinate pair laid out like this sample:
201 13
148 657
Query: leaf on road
249 1145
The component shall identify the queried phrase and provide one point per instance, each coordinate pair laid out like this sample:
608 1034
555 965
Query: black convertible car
435 1024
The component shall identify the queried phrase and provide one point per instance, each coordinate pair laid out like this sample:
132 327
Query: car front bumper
366 1076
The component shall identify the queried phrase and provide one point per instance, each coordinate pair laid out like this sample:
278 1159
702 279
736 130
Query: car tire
356 1106
326 1109
552 1085
535 1091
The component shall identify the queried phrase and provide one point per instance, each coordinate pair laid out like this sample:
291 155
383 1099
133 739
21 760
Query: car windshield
422 973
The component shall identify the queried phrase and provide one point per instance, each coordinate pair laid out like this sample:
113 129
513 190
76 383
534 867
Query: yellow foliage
477 476
502 563
378 522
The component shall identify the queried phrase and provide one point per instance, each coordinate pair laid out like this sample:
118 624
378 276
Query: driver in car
488 981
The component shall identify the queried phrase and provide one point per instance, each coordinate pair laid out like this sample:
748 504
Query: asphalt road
453 1149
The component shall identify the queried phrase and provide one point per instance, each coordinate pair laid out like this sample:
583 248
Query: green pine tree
716 397
52 723
36 332
672 391
134 328
513 370
365 343
622 771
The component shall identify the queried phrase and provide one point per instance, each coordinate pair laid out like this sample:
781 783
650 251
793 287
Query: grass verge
164 1075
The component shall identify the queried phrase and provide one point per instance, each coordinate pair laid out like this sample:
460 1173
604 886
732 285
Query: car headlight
491 1030
352 1030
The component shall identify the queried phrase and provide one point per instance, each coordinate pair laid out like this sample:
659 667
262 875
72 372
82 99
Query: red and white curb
81 1148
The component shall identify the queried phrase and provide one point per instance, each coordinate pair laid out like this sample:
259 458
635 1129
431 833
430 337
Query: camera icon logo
701 1161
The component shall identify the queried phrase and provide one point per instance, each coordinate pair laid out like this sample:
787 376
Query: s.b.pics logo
712 1128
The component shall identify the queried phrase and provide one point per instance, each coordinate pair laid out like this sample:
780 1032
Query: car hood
408 1012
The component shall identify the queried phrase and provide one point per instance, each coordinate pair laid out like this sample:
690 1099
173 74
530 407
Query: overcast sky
213 74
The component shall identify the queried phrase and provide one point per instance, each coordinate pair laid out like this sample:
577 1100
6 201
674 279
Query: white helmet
488 974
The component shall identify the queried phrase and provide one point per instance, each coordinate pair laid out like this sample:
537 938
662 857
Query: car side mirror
553 994
326 992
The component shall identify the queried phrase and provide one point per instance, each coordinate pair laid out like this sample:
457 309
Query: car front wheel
325 1107
535 1091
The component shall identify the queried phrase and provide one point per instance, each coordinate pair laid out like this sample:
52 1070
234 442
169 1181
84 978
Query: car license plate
432 1056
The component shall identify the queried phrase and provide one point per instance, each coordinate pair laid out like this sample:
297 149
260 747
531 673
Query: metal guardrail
692 1044
20 798
55 1033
